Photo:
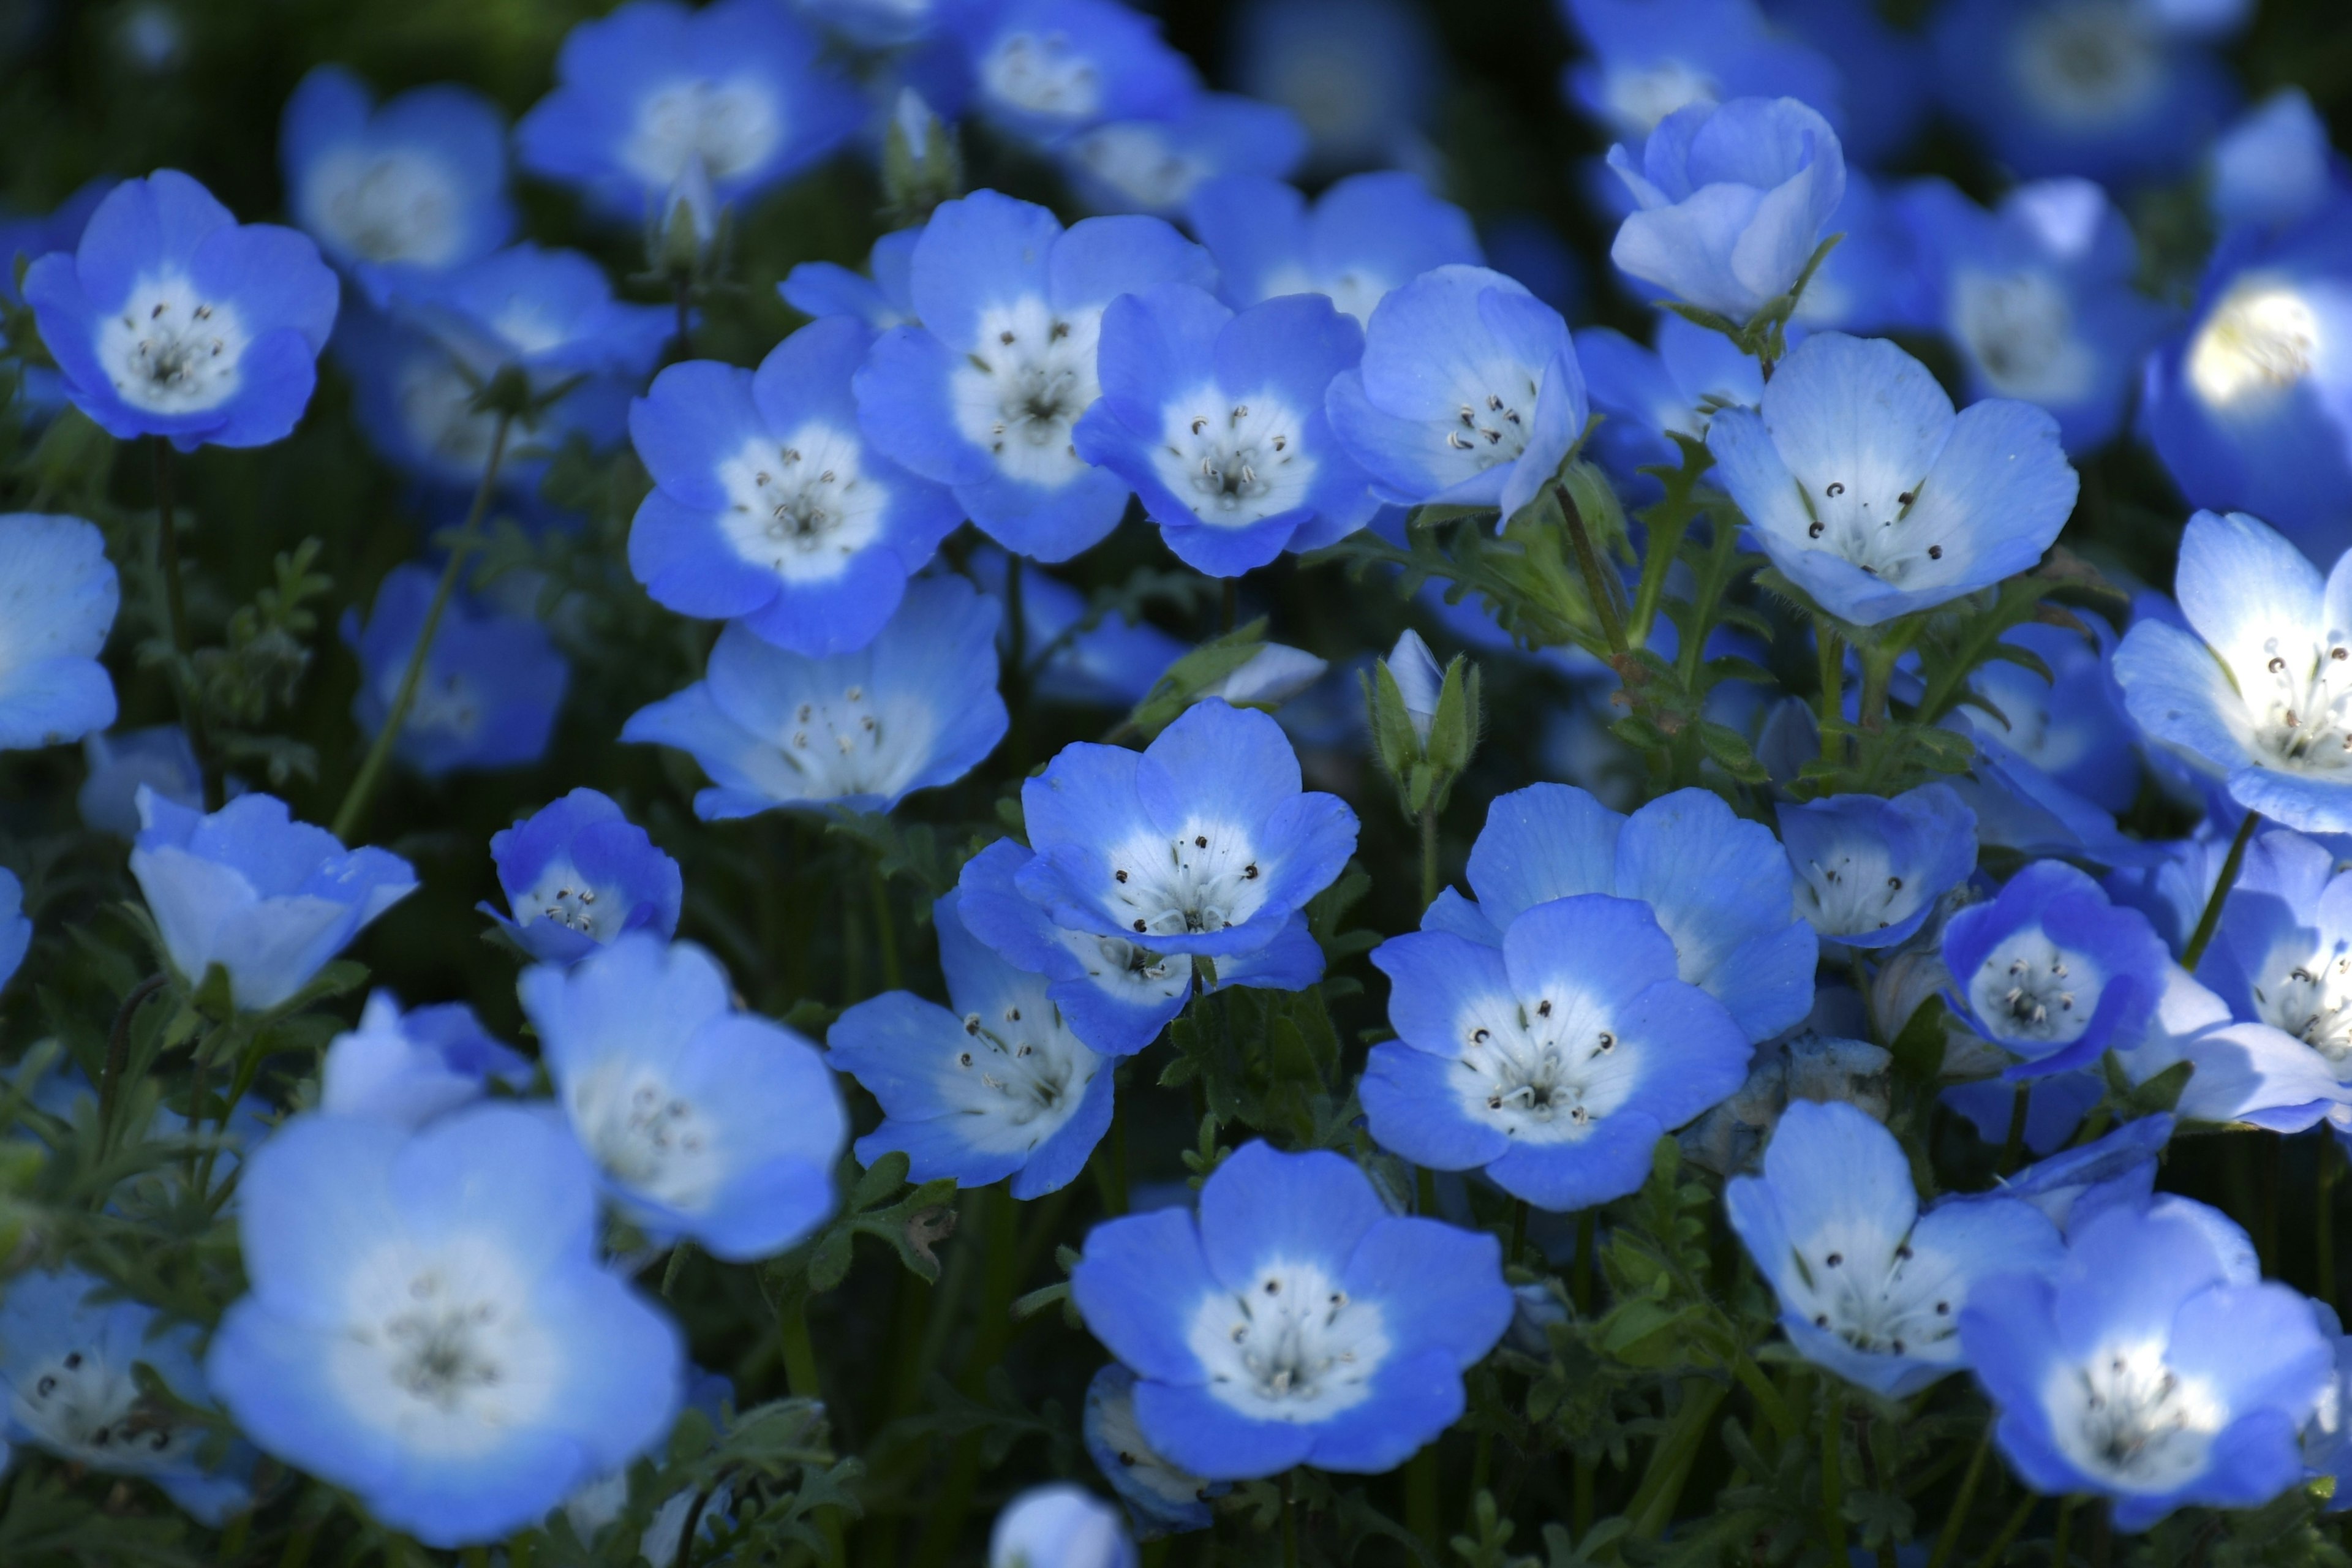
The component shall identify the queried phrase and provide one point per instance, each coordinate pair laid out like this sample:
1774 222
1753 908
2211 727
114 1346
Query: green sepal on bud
1424 724
921 163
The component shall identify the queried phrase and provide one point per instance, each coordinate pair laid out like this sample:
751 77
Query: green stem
1420 1500
801 1377
1653 1508
2221 886
1950 1537
2063 1538
2012 1148
1830 649
1229 603
677 1265
1290 1508
886 927
1588 1244
1832 1468
1658 555
1759 1388
355 801
1111 1161
1588 563
118 1054
1429 883
2016 1521
1000 1277
175 619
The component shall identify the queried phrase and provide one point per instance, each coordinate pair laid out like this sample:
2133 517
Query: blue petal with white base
577 874
58 599
2052 971
1870 869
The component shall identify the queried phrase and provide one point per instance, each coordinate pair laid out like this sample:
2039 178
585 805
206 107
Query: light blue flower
2073 1186
267 898
66 1358
1649 394
2247 1068
644 92
1202 844
2069 733
171 319
1871 495
1719 887
2327 1437
2273 167
994 1085
1733 201
550 314
874 24
417 182
429 1327
1160 1498
1651 57
2259 692
1362 76
1113 664
1469 394
410 1067
58 599
770 506
1295 1322
119 763
1869 1287
15 926
1360 240
982 395
2050 970
882 296
1155 165
1216 421
1884 73
577 874
1873 279
40 389
1870 870
708 1125
1555 1063
916 709
1044 70
491 687
1059 1526
2146 1369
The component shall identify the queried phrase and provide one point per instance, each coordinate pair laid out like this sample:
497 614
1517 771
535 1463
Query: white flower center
2089 63
80 1407
2021 328
1028 376
854 747
1494 417
1639 97
1856 891
2300 702
436 403
1876 1294
1233 463
438 1350
447 701
1352 292
733 125
2029 988
387 206
1851 522
1544 1071
2260 339
1204 879
1293 1346
171 350
1042 73
648 1137
2126 1416
1019 1076
803 506
562 897
1133 157
2309 995
1115 964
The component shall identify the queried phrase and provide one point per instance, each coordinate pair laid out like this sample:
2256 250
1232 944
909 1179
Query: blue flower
2147 1370
1216 420
1870 870
2282 955
1469 393
1719 887
2265 702
1869 1287
1361 76
40 389
2246 1067
875 24
708 1125
982 395
1161 1499
996 1084
1871 495
1295 1322
1115 664
882 296
1202 844
1059 1526
548 313
1733 201
2273 167
1874 279
916 709
2038 298
1652 58
2052 971
15 927
577 874
66 1359
58 599
645 91
1362 239
267 898
2245 406
171 319
1648 394
410 1067
2073 1186
1555 1062
429 1327
768 503
119 763
1155 165
1884 72
1116 993
2071 731
1043 69
420 182
491 686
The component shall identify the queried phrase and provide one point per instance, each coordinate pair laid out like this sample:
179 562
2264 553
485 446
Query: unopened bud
688 226
1274 674
921 166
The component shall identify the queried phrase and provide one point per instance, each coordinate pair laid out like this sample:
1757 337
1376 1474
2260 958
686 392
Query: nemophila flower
1201 844
1216 421
15 929
1117 991
409 1067
577 873
916 709
171 319
119 763
1274 675
429 1327
1648 395
1295 1322
1870 1287
2327 1436
58 599
602 1500
1152 165
2038 298
1357 242
267 898
548 313
770 506
983 395
1873 279
708 1125
1719 887
1883 73
1059 1526
1870 869
2073 1186
1871 495
1361 76
2104 89
2052 971
491 686
1554 1063
1161 1499
882 296
417 182
874 24
2245 406
640 93
1114 664
2265 702
1469 393
1043 69
2070 731
67 1345
994 1085
2273 167
1733 200
2144 1372
40 389
2247 1068
1652 58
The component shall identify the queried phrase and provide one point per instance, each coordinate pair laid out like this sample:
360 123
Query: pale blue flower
410 1067
58 599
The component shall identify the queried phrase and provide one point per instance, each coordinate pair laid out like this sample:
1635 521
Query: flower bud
682 241
1424 724
921 165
